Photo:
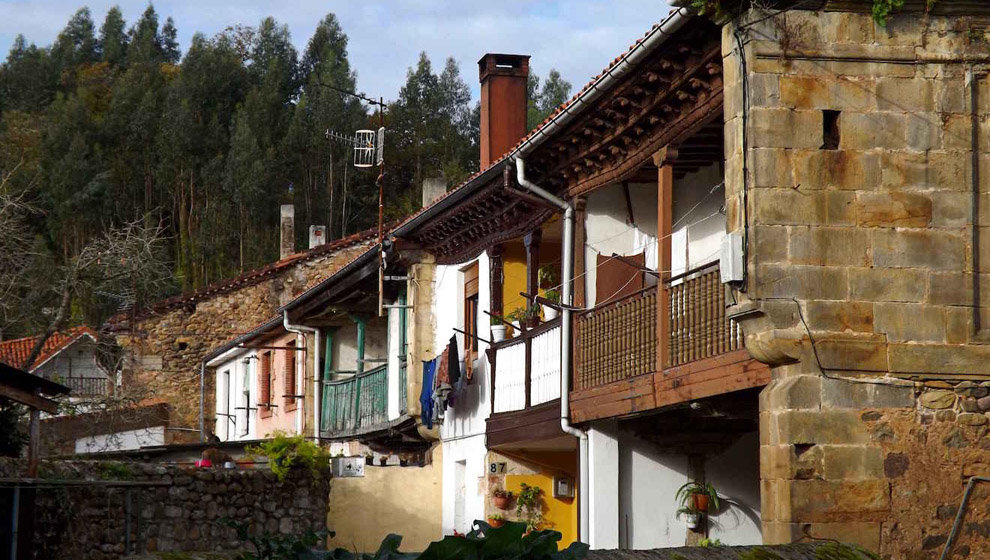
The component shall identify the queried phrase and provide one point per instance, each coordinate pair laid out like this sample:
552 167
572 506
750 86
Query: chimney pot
433 188
317 236
287 231
504 79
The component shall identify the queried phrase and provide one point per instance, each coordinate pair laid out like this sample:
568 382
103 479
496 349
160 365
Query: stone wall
857 207
88 522
164 347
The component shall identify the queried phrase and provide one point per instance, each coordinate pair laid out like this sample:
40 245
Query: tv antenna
369 150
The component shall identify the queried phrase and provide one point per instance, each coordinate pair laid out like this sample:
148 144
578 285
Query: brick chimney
503 103
287 231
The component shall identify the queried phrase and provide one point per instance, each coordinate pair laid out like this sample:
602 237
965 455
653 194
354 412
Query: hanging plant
529 506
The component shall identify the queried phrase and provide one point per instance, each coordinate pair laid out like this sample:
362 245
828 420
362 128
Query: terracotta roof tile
14 352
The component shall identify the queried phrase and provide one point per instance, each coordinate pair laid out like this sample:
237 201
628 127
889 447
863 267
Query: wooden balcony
355 405
616 368
525 394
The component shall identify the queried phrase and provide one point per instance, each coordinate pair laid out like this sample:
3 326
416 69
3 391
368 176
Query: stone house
819 355
165 343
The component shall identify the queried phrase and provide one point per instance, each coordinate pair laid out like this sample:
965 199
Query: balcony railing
619 340
356 403
527 369
87 386
698 324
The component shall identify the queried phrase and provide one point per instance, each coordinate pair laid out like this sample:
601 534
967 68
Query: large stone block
952 209
852 353
841 208
793 393
888 284
910 322
925 249
787 206
840 169
769 243
785 128
838 393
852 462
866 131
907 95
829 246
939 358
893 209
840 316
806 92
804 282
771 167
819 427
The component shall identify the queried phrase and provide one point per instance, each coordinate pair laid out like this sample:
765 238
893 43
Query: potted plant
529 506
700 495
501 498
692 517
515 317
550 312
496 520
498 329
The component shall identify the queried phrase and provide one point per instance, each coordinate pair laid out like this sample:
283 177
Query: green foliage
709 543
883 9
529 505
552 295
688 489
842 551
285 452
268 546
510 541
115 471
542 102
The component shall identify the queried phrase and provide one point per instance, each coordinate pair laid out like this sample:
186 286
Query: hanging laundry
453 361
443 368
426 393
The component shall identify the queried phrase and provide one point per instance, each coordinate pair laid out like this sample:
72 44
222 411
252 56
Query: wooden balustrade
699 327
527 369
87 386
358 402
618 340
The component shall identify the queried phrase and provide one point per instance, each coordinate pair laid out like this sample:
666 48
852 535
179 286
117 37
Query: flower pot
549 313
501 502
498 333
700 502
516 331
692 520
229 465
496 523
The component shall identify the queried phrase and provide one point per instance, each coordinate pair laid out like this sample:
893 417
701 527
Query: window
265 386
471 309
289 377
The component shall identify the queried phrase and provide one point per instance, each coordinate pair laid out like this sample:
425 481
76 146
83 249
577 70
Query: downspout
567 297
301 330
202 404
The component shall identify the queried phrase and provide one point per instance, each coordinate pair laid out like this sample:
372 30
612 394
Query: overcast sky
578 37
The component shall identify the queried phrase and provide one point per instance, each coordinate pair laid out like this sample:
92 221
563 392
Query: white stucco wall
736 475
231 376
122 441
633 487
463 430
698 224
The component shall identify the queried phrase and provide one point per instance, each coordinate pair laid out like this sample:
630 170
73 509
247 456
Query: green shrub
284 452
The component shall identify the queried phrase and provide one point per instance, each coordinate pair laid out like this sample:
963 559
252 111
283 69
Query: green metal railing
355 403
403 388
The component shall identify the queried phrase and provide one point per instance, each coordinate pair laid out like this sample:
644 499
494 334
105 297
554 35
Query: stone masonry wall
79 522
165 350
860 263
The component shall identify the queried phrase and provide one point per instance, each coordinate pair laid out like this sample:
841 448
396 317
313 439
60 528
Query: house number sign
496 468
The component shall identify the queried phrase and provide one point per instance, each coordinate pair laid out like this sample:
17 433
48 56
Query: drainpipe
567 297
202 403
301 330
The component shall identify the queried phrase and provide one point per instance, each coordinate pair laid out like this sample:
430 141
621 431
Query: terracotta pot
501 502
700 502
496 523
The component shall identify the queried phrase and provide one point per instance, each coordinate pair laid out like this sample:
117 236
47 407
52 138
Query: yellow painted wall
514 271
402 500
559 514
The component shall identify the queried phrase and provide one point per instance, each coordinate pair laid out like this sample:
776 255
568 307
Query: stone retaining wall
88 522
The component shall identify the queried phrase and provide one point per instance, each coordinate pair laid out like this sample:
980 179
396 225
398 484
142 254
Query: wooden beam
664 160
28 399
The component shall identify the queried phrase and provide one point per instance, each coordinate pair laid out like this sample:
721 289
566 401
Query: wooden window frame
265 385
289 378
472 310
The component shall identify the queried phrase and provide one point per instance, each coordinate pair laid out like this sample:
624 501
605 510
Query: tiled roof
248 278
546 122
14 352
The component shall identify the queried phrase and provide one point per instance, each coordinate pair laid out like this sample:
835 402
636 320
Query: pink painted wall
283 414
